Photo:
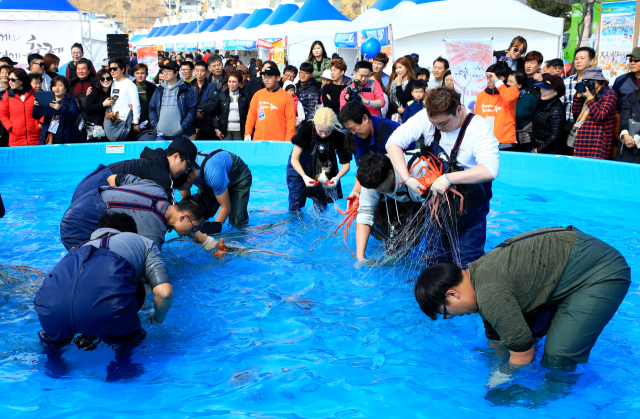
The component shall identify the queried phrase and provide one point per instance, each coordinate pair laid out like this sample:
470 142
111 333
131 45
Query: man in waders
159 165
98 288
468 150
143 200
558 282
224 183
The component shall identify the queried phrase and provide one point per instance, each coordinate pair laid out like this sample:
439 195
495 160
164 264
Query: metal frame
85 30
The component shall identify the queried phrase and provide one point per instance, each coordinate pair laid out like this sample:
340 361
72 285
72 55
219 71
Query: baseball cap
635 53
171 65
272 70
555 61
243 68
326 74
545 85
8 61
186 147
415 57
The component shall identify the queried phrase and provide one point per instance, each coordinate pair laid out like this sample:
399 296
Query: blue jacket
623 86
382 130
187 104
68 115
207 100
412 108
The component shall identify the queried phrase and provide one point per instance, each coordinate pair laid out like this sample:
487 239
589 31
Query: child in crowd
290 88
36 81
308 90
423 74
326 78
417 104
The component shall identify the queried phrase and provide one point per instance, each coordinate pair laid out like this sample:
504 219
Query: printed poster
277 49
149 57
617 22
21 38
468 62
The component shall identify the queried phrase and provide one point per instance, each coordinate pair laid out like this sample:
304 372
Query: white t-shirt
127 93
479 146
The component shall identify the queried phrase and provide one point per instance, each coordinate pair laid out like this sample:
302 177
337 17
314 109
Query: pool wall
578 176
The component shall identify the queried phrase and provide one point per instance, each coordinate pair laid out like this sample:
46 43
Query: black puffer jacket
548 126
94 109
221 120
252 87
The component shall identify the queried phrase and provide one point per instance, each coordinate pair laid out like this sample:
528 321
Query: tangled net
11 273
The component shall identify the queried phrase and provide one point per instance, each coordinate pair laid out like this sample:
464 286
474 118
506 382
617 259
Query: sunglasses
40 64
194 228
634 60
13 80
114 68
516 50
446 316
106 78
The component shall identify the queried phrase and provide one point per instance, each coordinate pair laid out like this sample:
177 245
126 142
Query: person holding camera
594 110
364 90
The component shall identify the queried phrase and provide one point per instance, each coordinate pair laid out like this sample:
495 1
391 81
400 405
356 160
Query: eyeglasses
194 228
517 50
40 64
632 60
114 69
445 316
106 78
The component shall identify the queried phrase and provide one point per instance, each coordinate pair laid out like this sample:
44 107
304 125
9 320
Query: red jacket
17 118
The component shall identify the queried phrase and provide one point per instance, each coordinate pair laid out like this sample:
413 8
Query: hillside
139 14
353 8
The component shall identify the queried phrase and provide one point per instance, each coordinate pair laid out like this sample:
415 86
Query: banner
616 38
169 47
208 45
192 46
381 34
20 38
346 39
237 44
468 63
180 47
149 57
276 50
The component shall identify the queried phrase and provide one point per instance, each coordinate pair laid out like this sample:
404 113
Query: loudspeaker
117 45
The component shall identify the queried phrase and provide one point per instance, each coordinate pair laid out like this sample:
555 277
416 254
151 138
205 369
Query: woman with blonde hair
312 170
399 89
514 55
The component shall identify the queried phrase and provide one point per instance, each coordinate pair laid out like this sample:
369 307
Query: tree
584 7
553 9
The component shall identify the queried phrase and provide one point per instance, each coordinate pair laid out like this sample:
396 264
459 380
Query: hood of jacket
155 154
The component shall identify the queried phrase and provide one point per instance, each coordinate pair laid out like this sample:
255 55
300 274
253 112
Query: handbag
118 131
524 134
573 134
94 131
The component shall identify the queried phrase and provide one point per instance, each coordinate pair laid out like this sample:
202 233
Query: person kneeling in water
558 282
313 165
97 289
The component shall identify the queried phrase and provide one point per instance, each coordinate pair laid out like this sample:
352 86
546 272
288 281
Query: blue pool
310 335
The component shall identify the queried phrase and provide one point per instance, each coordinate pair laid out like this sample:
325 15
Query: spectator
207 98
628 83
133 62
186 71
188 57
173 106
37 66
545 68
290 88
548 117
319 61
594 111
308 89
532 68
259 65
326 79
378 64
373 100
206 56
525 106
126 93
423 74
16 110
440 66
556 67
497 104
629 136
76 53
35 80
4 82
513 56
217 74
399 90
229 66
8 61
417 104
61 128
290 74
416 59
158 78
98 102
231 119
583 59
257 83
331 92
245 75
51 63
83 81
252 67
449 83
146 89
272 112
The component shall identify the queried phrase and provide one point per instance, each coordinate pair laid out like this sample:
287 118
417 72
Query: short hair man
173 107
37 66
272 112
440 67
583 59
369 91
558 282
207 98
532 67
290 74
556 67
186 71
84 79
308 90
257 83
217 71
379 63
98 288
332 91
628 83
125 90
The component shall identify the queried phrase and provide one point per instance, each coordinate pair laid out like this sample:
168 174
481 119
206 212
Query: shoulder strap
463 130
104 242
378 133
206 159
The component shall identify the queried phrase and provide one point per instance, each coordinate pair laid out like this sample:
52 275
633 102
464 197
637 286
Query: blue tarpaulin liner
314 10
50 5
256 19
219 23
235 21
281 14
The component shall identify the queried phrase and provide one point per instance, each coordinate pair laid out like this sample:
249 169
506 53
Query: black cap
8 61
186 147
555 61
171 65
272 70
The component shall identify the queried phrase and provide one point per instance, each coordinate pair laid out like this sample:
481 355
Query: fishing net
11 274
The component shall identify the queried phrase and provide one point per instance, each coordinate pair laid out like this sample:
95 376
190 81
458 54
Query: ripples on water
311 335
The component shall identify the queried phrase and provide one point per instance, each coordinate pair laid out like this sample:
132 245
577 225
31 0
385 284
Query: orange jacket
500 110
278 121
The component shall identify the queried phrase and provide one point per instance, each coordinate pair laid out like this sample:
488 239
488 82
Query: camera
353 93
115 97
586 84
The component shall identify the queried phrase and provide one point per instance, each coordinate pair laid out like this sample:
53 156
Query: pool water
309 335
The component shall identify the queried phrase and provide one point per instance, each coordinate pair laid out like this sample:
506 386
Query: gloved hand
247 138
353 194
351 201
309 182
210 244
210 228
441 185
415 185
331 183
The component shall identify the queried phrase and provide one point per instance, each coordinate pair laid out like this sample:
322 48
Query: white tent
165 38
421 28
143 40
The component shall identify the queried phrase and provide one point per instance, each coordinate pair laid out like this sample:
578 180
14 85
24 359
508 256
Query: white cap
326 74
287 84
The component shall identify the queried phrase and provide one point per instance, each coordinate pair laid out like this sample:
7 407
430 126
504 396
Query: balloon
370 48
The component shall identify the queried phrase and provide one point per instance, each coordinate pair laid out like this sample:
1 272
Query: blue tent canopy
178 29
191 27
426 1
257 17
153 31
50 5
167 30
219 23
235 21
313 10
384 5
281 14
204 25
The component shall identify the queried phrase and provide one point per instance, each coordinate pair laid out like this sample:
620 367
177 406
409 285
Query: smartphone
115 97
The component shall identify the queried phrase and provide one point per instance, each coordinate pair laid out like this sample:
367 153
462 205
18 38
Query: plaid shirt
596 133
570 93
